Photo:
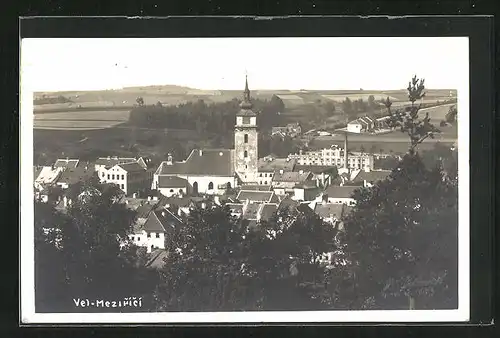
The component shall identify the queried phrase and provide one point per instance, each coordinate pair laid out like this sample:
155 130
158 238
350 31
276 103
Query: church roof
171 182
246 104
205 162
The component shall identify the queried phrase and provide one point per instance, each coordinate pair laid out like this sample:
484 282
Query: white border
28 315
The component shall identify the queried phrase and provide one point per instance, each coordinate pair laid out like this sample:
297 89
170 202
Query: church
213 171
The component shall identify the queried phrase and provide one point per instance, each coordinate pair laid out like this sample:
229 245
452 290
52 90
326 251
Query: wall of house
203 183
342 200
247 166
265 177
142 239
354 128
169 192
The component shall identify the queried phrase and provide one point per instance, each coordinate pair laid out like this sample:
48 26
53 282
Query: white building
285 182
158 228
130 177
207 171
267 166
334 156
172 186
340 195
105 163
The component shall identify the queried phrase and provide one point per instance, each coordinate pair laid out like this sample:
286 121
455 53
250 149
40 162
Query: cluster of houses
253 188
368 124
292 130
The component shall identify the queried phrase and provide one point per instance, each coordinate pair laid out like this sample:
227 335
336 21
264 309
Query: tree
140 101
386 241
451 116
372 105
386 244
347 106
93 251
408 121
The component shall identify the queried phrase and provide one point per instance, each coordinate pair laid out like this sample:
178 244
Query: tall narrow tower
246 140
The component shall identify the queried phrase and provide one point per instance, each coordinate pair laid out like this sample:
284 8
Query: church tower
246 140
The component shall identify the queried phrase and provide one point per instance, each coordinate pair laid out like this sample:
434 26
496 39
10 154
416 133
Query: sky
221 63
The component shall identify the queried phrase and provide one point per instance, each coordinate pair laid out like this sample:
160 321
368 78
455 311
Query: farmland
80 120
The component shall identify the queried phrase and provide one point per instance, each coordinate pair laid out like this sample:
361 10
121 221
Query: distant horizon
379 63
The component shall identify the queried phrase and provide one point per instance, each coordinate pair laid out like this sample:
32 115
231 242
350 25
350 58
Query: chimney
179 212
201 152
300 152
169 159
281 171
346 156
109 157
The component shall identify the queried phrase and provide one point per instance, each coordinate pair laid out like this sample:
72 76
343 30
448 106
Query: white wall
343 200
116 175
203 183
142 239
354 128
169 192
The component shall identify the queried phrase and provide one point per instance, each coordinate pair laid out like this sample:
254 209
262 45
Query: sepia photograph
244 179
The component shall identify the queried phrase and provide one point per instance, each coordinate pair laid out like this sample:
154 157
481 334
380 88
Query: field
80 120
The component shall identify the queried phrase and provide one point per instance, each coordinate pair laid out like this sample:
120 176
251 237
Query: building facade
246 141
334 156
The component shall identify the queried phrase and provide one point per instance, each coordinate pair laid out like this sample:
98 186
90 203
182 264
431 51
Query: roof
112 161
316 169
354 122
251 211
268 211
66 163
161 221
257 187
291 176
132 167
235 207
36 172
327 210
205 162
256 196
171 182
144 210
288 203
273 164
340 192
246 112
373 176
72 176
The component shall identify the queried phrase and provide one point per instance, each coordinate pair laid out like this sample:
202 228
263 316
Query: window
138 239
210 186
122 186
149 235
103 174
245 154
246 166
181 191
246 138
113 176
123 177
132 238
108 176
260 175
157 235
265 182
171 190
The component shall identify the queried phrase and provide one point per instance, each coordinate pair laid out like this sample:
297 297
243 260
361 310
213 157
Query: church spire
246 104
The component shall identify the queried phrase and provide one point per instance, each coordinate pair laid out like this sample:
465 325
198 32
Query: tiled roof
181 202
340 192
372 176
132 167
266 164
171 182
144 210
316 169
214 162
268 211
66 163
255 196
329 209
72 176
252 211
112 161
257 187
288 203
291 176
161 221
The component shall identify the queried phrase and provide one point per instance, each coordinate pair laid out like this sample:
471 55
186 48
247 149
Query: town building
334 156
158 228
172 186
340 194
215 171
66 163
284 182
369 178
70 176
130 177
267 166
102 164
291 129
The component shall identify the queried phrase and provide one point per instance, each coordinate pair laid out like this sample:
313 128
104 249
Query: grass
80 119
